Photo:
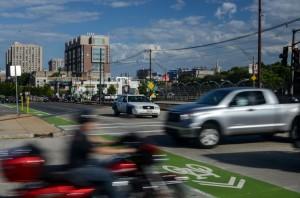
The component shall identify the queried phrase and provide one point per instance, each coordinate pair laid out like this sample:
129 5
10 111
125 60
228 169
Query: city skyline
137 25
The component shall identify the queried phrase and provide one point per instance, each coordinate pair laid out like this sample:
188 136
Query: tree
143 88
237 74
111 90
7 89
24 79
275 76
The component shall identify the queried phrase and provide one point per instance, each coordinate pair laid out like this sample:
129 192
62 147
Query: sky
136 25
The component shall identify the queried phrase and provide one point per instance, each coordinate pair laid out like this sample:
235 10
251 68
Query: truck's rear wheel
295 133
209 136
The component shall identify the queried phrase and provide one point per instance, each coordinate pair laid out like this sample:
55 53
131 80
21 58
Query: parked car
45 99
138 105
232 111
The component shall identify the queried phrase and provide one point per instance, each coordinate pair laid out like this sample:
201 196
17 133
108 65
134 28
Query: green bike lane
204 177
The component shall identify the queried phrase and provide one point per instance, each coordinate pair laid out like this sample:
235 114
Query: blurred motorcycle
135 174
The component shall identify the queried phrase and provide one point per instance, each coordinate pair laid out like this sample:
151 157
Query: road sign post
15 71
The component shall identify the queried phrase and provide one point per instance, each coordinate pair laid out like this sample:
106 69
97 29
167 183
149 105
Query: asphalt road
273 160
61 108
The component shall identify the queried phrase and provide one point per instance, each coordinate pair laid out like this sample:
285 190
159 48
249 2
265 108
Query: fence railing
193 90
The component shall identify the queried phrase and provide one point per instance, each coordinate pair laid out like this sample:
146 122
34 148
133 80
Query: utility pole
150 63
259 46
292 65
17 98
292 68
100 76
253 70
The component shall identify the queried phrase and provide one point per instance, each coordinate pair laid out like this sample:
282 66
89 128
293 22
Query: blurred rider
84 170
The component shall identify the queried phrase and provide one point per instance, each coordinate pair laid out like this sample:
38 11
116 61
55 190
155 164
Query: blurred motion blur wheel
209 136
295 133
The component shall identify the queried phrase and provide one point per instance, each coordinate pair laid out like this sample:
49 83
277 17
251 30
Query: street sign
15 70
151 85
251 69
253 78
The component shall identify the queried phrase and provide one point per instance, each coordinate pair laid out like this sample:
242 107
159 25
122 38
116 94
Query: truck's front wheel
116 112
209 136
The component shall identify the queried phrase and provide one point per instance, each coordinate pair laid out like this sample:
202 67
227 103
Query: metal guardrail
193 90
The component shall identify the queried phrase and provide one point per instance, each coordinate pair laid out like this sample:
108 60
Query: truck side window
248 98
256 98
240 100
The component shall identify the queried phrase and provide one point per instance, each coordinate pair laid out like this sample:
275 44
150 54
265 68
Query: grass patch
58 121
51 119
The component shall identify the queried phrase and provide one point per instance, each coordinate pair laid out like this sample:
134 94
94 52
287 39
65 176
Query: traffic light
296 57
284 55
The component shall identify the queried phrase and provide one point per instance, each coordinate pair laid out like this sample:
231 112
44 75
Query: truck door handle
251 109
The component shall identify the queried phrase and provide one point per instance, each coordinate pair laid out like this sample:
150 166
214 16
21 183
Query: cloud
177 33
172 33
46 12
28 3
122 3
227 8
178 5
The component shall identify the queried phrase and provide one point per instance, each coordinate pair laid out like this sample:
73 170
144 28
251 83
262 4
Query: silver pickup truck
232 111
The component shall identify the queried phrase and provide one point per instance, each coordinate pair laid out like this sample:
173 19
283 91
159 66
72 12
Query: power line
129 57
209 44
232 39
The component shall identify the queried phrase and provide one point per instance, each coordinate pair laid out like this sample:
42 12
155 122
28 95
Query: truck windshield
138 99
213 97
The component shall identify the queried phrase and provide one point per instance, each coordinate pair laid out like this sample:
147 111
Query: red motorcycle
26 165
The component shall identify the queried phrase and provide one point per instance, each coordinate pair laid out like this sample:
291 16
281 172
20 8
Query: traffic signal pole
292 65
150 63
292 68
259 47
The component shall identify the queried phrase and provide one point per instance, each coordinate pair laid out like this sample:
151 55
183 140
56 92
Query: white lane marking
69 127
116 127
120 133
7 106
136 126
199 191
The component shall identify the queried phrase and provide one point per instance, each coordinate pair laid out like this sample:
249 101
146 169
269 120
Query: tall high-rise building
29 56
83 54
56 63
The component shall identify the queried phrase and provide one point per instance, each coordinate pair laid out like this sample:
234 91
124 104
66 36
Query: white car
138 105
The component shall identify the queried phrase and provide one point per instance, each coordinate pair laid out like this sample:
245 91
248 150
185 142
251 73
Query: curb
32 135
13 118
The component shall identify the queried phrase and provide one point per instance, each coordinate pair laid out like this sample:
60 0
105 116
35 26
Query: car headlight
157 108
187 116
138 107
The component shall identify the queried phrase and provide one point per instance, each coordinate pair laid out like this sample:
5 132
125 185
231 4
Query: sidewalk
25 126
